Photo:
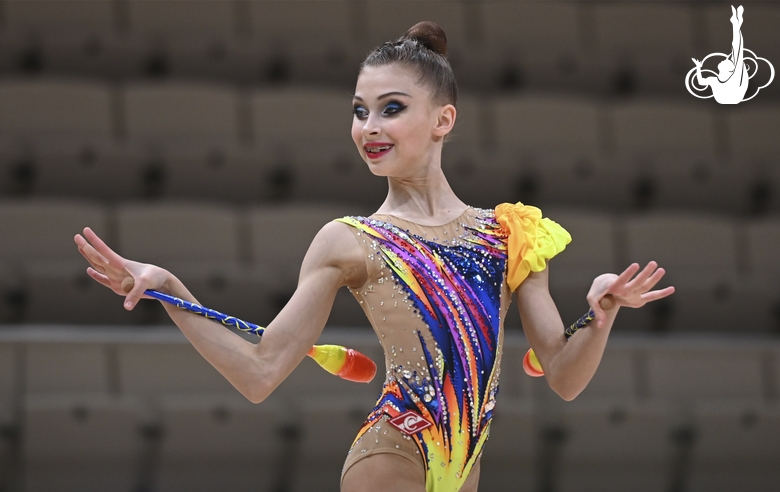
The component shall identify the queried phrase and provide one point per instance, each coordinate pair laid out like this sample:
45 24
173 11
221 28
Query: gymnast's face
396 125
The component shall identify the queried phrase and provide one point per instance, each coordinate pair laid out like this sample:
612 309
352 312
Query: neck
427 195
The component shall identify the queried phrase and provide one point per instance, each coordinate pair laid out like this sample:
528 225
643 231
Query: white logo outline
410 422
730 90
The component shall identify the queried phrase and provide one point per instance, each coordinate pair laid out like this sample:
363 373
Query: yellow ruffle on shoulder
532 240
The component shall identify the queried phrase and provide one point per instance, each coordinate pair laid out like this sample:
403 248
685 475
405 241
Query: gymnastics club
345 363
531 364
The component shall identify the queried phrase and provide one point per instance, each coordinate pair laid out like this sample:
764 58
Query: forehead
374 81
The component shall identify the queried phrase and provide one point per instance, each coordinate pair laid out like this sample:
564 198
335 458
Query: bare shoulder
335 246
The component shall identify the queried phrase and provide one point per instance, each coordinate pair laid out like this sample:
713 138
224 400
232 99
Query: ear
445 121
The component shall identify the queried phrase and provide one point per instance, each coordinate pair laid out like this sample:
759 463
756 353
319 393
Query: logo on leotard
735 70
410 423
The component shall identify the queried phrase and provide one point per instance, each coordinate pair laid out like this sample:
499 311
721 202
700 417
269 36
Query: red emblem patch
410 423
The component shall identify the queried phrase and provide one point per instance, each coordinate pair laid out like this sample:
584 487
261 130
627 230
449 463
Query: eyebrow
388 94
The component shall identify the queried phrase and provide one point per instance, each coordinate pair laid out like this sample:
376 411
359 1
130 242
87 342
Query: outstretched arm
701 80
333 259
570 365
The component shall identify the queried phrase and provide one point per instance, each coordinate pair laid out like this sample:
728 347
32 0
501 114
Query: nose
371 126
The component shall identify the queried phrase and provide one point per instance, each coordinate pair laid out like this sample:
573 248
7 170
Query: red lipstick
374 150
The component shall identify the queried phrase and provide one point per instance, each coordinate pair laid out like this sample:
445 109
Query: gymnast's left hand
627 289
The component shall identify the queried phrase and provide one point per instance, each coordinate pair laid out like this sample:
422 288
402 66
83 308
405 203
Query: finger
99 277
598 311
657 294
135 292
94 258
623 279
102 248
654 279
642 276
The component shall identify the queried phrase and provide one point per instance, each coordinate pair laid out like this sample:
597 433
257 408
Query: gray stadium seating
154 370
550 151
736 447
81 443
613 447
178 231
694 373
88 371
279 51
645 47
530 44
335 420
512 451
211 442
44 229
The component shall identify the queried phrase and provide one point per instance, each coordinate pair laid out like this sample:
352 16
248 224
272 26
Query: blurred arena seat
735 447
185 39
762 242
57 139
164 112
752 149
44 229
151 371
700 254
668 153
60 37
290 42
611 447
215 442
88 443
513 450
643 47
335 420
88 373
8 388
695 373
550 151
530 45
618 377
172 125
162 231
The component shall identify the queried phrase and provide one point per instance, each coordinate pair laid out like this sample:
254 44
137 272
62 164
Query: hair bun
430 35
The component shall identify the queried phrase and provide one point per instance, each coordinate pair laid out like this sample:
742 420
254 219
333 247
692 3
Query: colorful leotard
437 298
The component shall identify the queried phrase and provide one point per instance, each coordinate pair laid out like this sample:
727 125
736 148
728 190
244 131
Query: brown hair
424 49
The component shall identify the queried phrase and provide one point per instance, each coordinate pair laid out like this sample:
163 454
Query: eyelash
360 112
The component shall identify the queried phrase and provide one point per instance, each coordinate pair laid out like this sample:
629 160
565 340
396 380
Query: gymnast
731 84
434 276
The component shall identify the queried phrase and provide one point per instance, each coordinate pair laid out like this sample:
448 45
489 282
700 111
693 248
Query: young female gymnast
434 276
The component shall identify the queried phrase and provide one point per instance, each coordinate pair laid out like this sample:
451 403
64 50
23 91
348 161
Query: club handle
223 318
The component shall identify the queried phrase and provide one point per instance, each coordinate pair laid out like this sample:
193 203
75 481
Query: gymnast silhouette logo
730 84
410 423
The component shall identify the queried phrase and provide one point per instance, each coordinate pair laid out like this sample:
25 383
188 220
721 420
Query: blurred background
212 138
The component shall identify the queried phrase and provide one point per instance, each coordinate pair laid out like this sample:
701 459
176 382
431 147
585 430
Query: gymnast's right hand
117 273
